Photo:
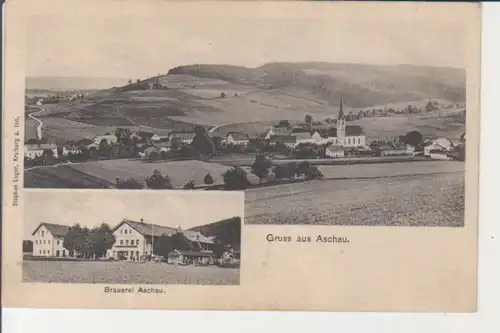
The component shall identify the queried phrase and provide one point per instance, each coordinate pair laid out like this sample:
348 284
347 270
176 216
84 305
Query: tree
163 245
308 120
202 143
302 167
208 180
129 183
283 123
47 155
190 185
429 106
222 95
138 81
27 246
413 138
157 181
105 148
101 239
235 179
261 166
75 239
129 81
313 173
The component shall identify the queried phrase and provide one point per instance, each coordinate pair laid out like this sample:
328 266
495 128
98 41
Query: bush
235 179
313 173
129 183
208 180
189 185
158 181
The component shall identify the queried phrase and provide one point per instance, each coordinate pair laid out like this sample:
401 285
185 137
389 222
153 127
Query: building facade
38 149
48 240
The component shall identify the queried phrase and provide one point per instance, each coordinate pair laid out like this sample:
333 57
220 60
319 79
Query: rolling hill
227 231
59 83
221 95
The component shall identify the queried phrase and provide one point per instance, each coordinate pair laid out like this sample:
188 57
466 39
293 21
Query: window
36 241
126 242
121 241
125 231
48 242
114 253
42 233
39 251
44 241
121 231
58 242
137 242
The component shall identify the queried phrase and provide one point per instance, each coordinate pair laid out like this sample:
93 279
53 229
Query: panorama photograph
336 127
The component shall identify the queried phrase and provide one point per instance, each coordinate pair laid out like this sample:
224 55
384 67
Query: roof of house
302 136
56 230
353 130
284 138
386 146
182 135
238 136
40 146
280 130
145 135
334 148
191 253
109 137
148 229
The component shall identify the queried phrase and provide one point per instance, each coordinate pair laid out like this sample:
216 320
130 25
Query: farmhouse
288 140
39 149
440 144
237 138
276 131
334 151
134 240
305 137
48 240
71 149
184 137
185 257
110 138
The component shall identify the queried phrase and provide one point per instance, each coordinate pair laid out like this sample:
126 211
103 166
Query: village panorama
309 143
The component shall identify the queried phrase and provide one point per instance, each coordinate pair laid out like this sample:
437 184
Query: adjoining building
237 138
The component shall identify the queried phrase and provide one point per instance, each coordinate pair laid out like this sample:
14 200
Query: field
103 173
410 194
126 273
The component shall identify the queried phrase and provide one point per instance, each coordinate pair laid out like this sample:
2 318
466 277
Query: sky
91 208
80 40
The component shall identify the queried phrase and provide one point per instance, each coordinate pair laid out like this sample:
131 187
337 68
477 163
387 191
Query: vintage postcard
241 155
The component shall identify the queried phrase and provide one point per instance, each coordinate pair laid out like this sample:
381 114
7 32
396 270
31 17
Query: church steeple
341 131
341 111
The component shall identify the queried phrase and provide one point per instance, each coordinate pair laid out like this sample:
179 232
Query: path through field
40 123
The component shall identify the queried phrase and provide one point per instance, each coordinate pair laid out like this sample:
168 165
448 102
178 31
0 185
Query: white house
38 149
48 240
184 137
334 151
110 138
440 144
71 149
134 240
288 140
237 138
304 137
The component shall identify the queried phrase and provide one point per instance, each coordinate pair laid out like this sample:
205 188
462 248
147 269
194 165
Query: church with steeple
346 135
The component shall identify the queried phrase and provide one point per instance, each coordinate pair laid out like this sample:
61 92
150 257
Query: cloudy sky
144 38
91 208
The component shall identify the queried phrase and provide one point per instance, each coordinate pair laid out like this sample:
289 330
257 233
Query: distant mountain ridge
361 85
60 83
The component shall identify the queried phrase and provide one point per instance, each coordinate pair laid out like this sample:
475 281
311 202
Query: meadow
126 273
406 200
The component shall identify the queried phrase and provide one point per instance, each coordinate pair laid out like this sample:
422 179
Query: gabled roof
334 148
238 136
302 136
280 130
182 135
353 130
191 253
284 138
148 229
38 146
57 230
195 236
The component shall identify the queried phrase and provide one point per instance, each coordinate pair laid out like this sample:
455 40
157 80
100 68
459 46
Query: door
57 253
